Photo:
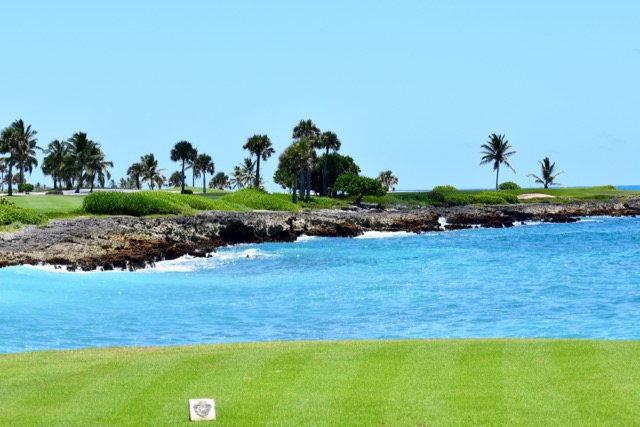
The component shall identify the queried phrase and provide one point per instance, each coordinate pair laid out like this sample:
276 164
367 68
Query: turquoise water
538 280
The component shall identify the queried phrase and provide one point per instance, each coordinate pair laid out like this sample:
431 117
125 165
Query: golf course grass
49 205
360 383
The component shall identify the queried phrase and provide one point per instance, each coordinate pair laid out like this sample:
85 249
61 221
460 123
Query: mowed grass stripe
423 382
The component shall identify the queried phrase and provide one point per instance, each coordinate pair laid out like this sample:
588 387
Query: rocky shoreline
132 243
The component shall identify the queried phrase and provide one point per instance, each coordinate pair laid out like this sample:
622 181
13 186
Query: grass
374 383
50 206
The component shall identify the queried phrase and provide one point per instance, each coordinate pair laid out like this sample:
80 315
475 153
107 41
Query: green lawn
49 205
372 383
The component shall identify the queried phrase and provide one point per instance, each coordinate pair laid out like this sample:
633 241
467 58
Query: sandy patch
535 196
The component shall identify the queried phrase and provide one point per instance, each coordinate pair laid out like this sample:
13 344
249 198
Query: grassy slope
392 383
49 204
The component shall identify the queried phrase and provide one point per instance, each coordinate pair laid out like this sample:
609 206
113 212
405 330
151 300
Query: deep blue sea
577 280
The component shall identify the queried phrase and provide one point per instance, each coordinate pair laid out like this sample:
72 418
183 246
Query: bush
56 192
358 186
509 185
444 188
252 198
187 191
145 203
11 214
25 188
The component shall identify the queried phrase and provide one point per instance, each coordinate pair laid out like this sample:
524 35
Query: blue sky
411 86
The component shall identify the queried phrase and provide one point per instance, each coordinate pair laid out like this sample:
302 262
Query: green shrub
187 191
261 200
144 203
603 187
444 188
11 214
25 188
358 186
509 185
56 192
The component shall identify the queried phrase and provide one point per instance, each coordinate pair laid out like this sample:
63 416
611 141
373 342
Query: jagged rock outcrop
131 243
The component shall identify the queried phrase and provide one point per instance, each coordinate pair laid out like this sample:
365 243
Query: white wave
305 238
63 269
443 222
189 263
384 235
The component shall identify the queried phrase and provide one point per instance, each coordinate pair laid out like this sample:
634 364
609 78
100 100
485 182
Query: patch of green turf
49 204
373 383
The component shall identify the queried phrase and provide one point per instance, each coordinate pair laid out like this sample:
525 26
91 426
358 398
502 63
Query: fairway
373 383
48 204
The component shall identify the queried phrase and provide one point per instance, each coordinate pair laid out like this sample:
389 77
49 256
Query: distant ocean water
628 187
577 280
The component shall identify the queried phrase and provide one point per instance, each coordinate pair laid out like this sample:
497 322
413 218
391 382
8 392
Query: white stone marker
202 410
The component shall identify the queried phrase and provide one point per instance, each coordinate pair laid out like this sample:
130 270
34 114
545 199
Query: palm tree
54 162
97 167
149 170
3 170
9 144
306 129
548 175
191 164
135 171
236 180
388 180
203 165
183 151
175 179
260 145
247 174
81 150
294 160
220 181
329 141
25 155
496 151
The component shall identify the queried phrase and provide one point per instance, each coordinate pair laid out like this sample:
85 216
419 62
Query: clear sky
411 86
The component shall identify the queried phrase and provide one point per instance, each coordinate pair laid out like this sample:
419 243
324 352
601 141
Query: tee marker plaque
202 410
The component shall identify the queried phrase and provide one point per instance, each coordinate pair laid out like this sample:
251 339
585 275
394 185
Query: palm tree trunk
308 184
302 184
204 182
21 181
79 183
258 172
497 173
294 198
10 177
324 173
182 178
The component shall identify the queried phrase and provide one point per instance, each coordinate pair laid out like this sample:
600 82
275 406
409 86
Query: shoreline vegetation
329 383
134 230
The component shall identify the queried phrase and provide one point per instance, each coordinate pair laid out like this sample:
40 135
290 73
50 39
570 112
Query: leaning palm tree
547 176
81 149
10 145
183 152
135 172
237 179
260 145
203 165
496 151
388 180
329 141
27 143
247 172
97 167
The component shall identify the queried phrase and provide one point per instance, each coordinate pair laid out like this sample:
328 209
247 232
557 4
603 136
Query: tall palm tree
54 162
260 145
306 129
10 145
547 176
388 180
97 167
183 152
496 151
25 155
149 170
247 172
81 149
329 141
191 163
203 165
135 172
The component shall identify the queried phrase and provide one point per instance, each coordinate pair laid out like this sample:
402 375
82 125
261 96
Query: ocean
536 280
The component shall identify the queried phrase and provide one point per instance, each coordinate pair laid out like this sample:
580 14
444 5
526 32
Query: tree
150 172
97 167
246 173
220 181
135 172
496 151
183 152
55 161
260 145
388 180
294 160
308 131
337 164
175 179
25 155
81 149
358 186
203 165
329 141
547 176
9 144
3 169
